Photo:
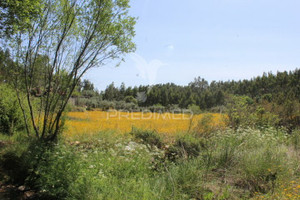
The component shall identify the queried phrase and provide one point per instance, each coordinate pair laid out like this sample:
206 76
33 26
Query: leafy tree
87 85
16 15
130 99
6 65
111 92
74 36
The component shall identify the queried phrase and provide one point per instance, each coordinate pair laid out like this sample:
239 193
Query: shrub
11 118
77 109
106 105
147 137
130 99
185 147
194 108
14 167
122 105
157 108
174 108
54 169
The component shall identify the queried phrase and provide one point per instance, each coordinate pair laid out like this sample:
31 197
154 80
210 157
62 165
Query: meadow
122 122
112 155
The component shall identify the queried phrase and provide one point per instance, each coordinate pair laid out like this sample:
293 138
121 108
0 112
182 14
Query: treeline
270 99
267 100
271 87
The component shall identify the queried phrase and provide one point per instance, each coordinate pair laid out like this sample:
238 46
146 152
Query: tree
16 15
87 85
111 92
75 36
6 63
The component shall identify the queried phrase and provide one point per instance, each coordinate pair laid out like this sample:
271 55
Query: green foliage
231 165
185 147
205 127
14 167
53 170
11 119
16 15
157 108
295 139
147 137
244 112
239 110
258 159
195 109
6 66
268 100
130 99
106 105
94 31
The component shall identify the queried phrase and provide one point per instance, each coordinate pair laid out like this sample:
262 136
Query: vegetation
54 50
240 164
251 151
268 100
11 119
61 138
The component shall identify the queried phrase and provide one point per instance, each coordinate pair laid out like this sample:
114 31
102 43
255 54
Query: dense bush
44 167
186 146
194 109
147 137
130 99
11 118
106 105
157 108
53 170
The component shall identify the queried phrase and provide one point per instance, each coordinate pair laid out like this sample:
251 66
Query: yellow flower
122 122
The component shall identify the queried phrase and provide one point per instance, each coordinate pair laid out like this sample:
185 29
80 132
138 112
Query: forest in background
267 100
274 99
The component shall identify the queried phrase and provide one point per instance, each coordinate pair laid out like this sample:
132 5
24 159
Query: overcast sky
215 39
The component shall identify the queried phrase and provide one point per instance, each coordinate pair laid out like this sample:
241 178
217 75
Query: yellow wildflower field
122 122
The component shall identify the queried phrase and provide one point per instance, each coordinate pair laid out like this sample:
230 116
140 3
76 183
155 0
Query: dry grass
122 122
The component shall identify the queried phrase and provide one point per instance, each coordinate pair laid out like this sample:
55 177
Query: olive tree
68 38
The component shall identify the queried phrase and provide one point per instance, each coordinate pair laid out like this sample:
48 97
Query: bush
130 99
174 108
14 167
157 108
122 105
54 169
194 108
106 105
185 147
76 109
147 137
11 117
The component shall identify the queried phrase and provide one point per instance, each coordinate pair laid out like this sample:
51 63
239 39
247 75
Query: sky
214 39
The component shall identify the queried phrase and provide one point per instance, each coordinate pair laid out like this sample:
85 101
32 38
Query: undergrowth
240 164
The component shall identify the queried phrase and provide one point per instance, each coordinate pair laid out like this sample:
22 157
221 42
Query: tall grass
239 164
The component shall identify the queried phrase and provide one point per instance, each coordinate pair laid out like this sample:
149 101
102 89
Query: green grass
241 164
